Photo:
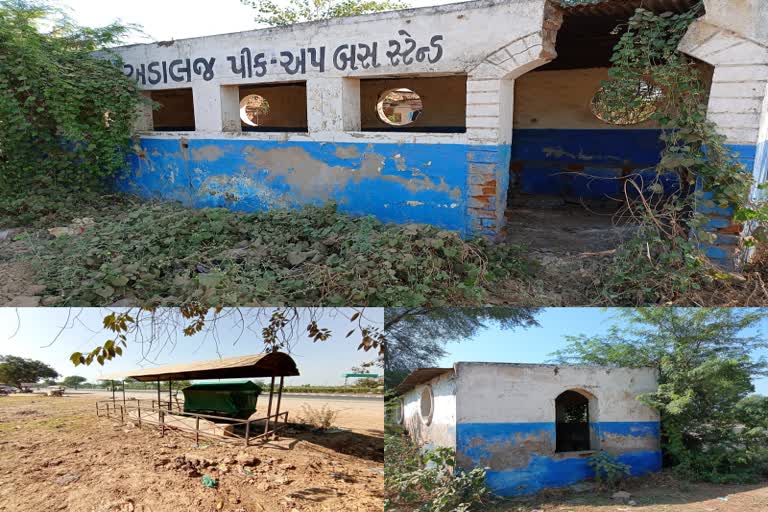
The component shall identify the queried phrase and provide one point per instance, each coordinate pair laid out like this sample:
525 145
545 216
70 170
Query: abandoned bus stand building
222 411
467 116
533 426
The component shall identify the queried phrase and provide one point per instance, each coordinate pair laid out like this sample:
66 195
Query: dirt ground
660 493
56 455
18 285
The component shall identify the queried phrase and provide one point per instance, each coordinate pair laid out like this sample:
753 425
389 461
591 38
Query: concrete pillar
333 104
230 108
143 121
207 100
738 105
490 108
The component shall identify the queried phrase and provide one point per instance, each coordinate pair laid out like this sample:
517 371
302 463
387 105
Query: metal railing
163 416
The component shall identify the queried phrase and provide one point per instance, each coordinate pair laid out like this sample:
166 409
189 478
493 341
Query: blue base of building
480 444
591 165
402 183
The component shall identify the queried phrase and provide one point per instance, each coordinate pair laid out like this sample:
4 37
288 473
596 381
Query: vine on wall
694 150
65 115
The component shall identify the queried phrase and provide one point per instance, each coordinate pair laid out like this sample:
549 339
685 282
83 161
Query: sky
163 20
533 345
30 334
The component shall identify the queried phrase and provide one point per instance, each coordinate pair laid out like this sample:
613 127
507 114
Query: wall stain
210 153
513 453
312 178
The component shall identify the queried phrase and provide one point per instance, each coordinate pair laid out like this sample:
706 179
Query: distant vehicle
55 391
7 389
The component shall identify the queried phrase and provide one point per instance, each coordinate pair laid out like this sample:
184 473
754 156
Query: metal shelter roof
257 365
420 376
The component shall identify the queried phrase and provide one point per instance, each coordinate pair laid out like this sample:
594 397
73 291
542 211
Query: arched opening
572 422
580 152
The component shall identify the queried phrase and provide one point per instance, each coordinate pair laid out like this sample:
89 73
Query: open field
56 455
659 493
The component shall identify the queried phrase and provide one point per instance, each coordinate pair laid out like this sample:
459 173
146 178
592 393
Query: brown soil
56 455
18 285
660 493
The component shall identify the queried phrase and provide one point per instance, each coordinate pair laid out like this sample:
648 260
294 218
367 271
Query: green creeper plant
693 149
65 112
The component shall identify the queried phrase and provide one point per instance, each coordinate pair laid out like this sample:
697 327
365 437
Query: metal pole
162 421
247 432
97 409
170 385
269 407
113 391
158 394
197 431
123 392
279 398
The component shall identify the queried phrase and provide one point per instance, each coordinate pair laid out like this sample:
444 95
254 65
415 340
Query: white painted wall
492 41
442 430
522 393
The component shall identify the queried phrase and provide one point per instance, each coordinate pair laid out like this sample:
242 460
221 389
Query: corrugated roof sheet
420 376
257 365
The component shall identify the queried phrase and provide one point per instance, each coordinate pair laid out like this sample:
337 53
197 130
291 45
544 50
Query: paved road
357 413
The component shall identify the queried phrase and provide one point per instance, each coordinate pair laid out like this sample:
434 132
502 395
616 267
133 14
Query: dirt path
56 455
18 285
569 243
661 493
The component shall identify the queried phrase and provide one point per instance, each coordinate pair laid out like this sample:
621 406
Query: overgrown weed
166 254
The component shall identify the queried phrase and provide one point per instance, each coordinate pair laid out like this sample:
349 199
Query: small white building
533 426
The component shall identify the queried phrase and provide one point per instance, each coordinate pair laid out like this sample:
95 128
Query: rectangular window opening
175 112
273 107
415 104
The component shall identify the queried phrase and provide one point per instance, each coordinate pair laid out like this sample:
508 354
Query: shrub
608 470
428 480
166 254
65 114
321 418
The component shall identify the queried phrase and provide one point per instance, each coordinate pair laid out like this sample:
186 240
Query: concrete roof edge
437 9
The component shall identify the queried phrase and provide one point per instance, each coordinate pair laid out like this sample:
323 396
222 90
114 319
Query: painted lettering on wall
247 63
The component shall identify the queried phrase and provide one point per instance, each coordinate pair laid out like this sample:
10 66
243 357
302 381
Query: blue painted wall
596 159
423 183
723 249
485 445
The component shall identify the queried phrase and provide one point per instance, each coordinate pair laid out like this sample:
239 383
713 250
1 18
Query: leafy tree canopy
274 13
73 381
17 370
416 337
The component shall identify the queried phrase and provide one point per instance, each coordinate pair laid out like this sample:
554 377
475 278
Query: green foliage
608 470
274 13
164 254
65 115
705 363
17 371
663 262
73 381
428 480
752 411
